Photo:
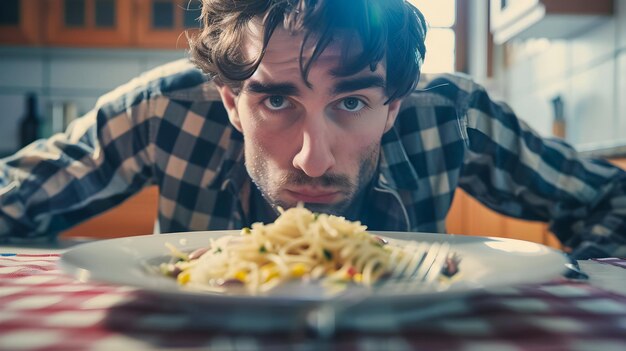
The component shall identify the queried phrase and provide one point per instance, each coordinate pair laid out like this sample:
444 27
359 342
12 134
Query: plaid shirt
169 128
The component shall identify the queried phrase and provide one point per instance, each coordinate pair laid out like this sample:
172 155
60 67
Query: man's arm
511 169
102 158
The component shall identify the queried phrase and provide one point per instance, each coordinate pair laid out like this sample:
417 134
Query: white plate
485 263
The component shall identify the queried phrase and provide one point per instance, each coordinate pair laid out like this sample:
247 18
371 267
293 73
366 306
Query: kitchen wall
61 75
587 70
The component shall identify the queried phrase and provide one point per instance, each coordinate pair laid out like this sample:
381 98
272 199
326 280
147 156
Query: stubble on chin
271 186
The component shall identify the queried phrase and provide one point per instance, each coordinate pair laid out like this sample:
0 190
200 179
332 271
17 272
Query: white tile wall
596 44
18 71
620 10
535 107
523 81
153 61
593 114
591 71
621 96
61 75
83 103
12 108
71 72
553 64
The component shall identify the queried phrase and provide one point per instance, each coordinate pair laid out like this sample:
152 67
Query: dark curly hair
388 29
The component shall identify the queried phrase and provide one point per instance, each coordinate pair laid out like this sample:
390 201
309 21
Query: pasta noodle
300 244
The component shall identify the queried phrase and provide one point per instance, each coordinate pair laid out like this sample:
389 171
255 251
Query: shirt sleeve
514 171
101 159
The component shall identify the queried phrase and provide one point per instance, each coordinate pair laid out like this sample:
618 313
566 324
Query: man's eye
351 104
276 102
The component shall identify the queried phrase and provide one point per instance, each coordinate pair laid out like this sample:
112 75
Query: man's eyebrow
358 83
287 89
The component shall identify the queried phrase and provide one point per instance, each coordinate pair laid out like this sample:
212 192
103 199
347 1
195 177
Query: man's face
316 144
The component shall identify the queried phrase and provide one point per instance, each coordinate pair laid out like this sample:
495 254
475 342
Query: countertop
610 149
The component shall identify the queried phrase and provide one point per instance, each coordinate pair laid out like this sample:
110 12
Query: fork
418 266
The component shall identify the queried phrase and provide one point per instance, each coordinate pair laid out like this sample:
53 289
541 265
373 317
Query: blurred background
561 64
535 54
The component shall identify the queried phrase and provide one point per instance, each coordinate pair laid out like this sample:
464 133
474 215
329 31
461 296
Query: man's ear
230 103
392 113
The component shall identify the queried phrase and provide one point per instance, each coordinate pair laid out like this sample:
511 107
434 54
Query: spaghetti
300 244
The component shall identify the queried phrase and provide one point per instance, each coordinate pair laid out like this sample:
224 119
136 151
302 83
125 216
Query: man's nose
315 156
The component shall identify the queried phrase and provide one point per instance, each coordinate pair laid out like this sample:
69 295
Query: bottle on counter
30 123
558 123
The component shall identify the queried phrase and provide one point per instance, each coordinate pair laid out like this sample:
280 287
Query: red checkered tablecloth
42 309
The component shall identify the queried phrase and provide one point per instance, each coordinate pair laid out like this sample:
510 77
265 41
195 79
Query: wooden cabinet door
166 23
89 23
136 216
467 216
19 22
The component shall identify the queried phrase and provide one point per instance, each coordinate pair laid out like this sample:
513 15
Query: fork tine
417 266
428 262
438 263
412 260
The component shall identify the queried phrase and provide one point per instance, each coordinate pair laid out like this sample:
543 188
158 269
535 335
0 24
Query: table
42 309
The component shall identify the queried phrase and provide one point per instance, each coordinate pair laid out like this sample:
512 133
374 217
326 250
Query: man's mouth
315 195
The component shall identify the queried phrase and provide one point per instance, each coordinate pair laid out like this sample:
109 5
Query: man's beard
270 188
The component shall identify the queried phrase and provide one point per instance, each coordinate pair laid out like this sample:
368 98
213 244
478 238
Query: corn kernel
183 278
298 270
269 272
241 276
358 277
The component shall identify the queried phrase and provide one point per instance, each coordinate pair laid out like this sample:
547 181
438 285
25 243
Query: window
441 40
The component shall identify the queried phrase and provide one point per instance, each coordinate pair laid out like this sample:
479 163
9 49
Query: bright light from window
440 40
438 13
440 51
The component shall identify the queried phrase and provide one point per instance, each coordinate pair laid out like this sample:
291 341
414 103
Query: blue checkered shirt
168 128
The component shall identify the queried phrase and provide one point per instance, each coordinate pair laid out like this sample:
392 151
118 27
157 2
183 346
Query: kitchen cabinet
163 23
619 162
99 23
521 19
469 217
136 216
20 22
89 23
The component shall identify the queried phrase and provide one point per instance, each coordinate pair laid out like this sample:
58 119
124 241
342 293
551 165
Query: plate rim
84 275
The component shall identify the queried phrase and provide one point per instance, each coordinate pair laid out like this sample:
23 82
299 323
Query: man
317 106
